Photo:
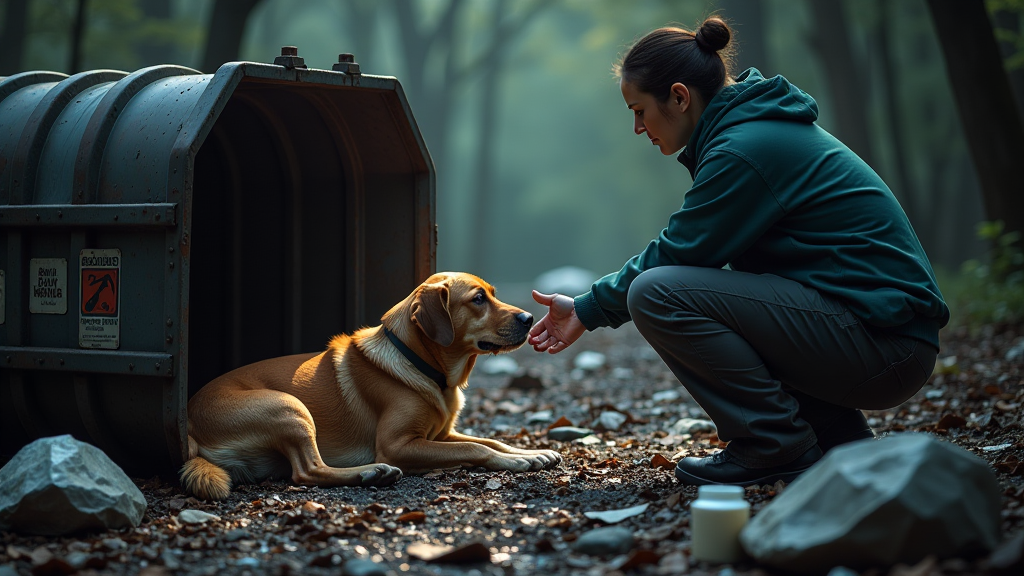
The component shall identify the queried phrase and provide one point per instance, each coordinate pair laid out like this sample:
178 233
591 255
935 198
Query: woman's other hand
559 327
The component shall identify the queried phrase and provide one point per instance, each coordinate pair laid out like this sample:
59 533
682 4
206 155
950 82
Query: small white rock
622 373
589 360
691 425
195 517
499 365
610 420
665 396
540 417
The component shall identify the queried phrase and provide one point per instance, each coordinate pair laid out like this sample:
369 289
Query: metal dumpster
160 228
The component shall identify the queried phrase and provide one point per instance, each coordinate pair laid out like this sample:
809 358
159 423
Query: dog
375 403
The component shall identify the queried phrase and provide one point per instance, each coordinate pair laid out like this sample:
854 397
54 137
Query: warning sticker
48 289
3 298
100 315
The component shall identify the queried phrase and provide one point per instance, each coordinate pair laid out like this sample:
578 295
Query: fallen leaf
674 499
950 421
616 516
636 559
563 421
659 461
414 516
467 553
313 507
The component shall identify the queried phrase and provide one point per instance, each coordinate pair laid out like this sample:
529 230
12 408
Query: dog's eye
478 299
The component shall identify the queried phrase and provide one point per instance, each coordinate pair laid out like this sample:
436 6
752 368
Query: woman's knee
649 293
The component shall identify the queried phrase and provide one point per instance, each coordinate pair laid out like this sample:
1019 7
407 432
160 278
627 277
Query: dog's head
459 311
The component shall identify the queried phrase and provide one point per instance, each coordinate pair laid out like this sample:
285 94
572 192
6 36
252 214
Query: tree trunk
224 35
746 17
844 76
985 104
900 183
489 109
1010 20
12 37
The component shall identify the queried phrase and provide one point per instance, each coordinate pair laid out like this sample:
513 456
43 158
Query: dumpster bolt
170 339
157 365
170 322
60 214
347 64
171 249
37 216
131 367
171 264
290 58
41 361
8 359
115 217
156 217
61 361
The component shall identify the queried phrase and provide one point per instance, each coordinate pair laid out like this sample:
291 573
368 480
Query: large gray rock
59 485
878 503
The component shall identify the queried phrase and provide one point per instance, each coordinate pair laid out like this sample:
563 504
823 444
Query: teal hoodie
775 193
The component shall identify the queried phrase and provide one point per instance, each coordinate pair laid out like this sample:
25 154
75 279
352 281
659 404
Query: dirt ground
517 524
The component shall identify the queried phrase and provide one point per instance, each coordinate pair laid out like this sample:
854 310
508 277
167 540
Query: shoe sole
787 477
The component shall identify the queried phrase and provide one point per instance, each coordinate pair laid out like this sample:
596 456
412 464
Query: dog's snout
525 318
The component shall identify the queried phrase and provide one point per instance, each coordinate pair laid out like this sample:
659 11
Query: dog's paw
380 475
541 459
530 461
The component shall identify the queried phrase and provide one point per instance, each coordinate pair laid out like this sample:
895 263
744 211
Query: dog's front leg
454 436
417 454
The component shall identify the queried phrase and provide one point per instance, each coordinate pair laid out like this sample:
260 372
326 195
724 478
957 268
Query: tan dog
379 401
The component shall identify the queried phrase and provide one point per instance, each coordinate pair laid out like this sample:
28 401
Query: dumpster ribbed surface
192 223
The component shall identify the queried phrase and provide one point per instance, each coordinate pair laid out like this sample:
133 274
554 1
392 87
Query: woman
830 305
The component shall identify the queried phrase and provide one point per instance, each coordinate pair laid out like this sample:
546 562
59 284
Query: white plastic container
716 518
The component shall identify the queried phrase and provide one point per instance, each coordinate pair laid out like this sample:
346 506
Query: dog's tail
203 478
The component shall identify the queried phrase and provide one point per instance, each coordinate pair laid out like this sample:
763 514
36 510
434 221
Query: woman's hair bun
713 34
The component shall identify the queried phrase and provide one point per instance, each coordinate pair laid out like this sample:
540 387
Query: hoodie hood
752 97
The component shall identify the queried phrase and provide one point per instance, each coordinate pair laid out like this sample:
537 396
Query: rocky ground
475 522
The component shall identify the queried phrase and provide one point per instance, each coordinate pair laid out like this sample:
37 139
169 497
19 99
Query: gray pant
770 359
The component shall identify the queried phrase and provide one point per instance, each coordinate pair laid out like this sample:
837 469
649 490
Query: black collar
428 370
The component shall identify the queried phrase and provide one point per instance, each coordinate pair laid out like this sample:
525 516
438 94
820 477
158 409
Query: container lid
720 492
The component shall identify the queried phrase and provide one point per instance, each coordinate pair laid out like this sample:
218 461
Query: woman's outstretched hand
559 327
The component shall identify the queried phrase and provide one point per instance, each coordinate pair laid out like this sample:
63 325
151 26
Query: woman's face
669 126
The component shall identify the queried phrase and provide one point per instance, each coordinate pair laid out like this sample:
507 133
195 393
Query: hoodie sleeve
726 210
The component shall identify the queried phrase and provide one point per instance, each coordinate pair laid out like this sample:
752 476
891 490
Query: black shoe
722 468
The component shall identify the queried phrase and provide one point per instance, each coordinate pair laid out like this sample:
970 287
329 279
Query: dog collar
427 370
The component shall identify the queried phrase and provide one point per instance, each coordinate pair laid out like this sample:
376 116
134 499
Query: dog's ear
430 313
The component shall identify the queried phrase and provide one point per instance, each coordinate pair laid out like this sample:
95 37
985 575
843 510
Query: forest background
537 166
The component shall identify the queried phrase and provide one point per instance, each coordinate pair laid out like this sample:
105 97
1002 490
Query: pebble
499 365
691 425
588 360
195 517
8 570
622 373
236 535
248 562
567 433
590 440
610 420
665 396
541 417
114 544
842 571
358 567
605 541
